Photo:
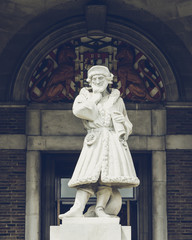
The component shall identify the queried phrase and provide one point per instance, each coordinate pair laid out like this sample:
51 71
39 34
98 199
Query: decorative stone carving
130 78
54 81
105 163
62 73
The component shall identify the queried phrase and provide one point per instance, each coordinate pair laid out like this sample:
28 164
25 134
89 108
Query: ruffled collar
113 97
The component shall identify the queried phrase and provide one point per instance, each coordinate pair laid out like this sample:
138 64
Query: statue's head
100 70
99 77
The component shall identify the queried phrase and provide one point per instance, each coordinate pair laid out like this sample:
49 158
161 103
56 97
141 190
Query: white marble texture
90 228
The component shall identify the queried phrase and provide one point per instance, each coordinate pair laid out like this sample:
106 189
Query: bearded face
99 83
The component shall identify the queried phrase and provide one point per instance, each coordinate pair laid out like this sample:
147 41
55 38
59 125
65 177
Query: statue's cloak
105 152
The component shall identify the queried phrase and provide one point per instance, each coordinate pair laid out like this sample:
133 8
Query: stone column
33 125
159 206
32 221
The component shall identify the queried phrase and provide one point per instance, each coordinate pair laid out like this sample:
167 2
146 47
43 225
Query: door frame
33 195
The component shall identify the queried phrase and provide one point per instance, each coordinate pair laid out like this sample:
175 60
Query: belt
100 129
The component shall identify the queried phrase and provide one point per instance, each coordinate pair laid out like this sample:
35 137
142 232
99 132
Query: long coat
105 152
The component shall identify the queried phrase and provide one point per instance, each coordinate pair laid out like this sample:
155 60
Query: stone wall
50 129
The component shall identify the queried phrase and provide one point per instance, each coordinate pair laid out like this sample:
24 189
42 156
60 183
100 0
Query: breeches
93 188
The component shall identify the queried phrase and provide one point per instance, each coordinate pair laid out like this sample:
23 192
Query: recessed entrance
136 208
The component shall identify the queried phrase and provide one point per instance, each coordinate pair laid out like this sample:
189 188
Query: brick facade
12 194
12 120
12 177
179 194
179 121
179 178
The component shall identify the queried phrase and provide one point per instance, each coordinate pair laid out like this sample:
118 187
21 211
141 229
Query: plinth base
90 229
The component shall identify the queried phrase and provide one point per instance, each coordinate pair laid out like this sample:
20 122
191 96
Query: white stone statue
105 163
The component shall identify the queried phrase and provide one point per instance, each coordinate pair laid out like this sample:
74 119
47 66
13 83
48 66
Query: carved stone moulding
62 72
56 68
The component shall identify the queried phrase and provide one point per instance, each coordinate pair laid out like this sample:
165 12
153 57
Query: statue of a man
105 163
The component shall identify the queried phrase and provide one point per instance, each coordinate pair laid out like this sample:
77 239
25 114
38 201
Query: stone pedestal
90 229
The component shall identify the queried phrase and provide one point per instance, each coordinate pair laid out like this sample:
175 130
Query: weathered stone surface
141 121
158 122
155 143
12 141
76 143
184 8
179 141
159 166
61 122
32 218
159 216
33 126
159 210
55 143
146 143
90 228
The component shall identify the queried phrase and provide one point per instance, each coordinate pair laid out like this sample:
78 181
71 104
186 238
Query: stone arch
121 30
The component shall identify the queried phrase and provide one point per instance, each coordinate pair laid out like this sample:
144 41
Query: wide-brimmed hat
99 69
